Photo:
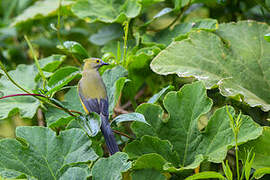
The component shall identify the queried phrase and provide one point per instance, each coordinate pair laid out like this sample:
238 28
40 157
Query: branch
122 134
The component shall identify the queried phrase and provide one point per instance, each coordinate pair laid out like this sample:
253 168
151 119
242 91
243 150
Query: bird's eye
97 61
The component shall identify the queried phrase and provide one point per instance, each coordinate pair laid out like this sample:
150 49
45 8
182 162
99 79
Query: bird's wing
98 105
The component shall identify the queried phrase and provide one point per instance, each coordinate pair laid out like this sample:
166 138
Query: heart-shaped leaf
39 153
236 57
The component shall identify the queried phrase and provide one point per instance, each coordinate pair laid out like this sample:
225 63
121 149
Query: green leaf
106 34
107 11
26 106
227 170
261 172
261 148
184 109
62 77
267 37
75 48
146 3
114 81
267 3
156 97
139 70
130 117
206 175
40 10
150 144
150 161
178 4
51 63
111 168
146 174
235 58
39 153
74 173
56 118
90 123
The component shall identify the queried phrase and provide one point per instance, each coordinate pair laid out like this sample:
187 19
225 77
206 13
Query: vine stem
36 62
14 95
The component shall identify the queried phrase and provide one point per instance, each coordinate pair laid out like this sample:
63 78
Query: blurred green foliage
171 129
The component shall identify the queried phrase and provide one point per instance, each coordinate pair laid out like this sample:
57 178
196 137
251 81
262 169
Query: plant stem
29 94
179 16
236 157
122 134
36 62
37 96
58 22
9 77
126 24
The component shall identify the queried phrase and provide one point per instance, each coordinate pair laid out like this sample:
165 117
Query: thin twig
76 112
179 16
29 94
122 134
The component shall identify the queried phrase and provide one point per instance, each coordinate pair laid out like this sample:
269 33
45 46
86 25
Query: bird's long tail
108 135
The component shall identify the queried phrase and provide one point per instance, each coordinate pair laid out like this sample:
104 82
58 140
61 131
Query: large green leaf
39 10
150 144
26 106
74 173
261 148
114 81
150 161
39 153
181 127
146 174
107 11
236 57
111 168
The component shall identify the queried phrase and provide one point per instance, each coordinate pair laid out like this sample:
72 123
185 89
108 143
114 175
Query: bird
93 96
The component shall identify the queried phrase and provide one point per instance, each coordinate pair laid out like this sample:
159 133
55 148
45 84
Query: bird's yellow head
93 63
